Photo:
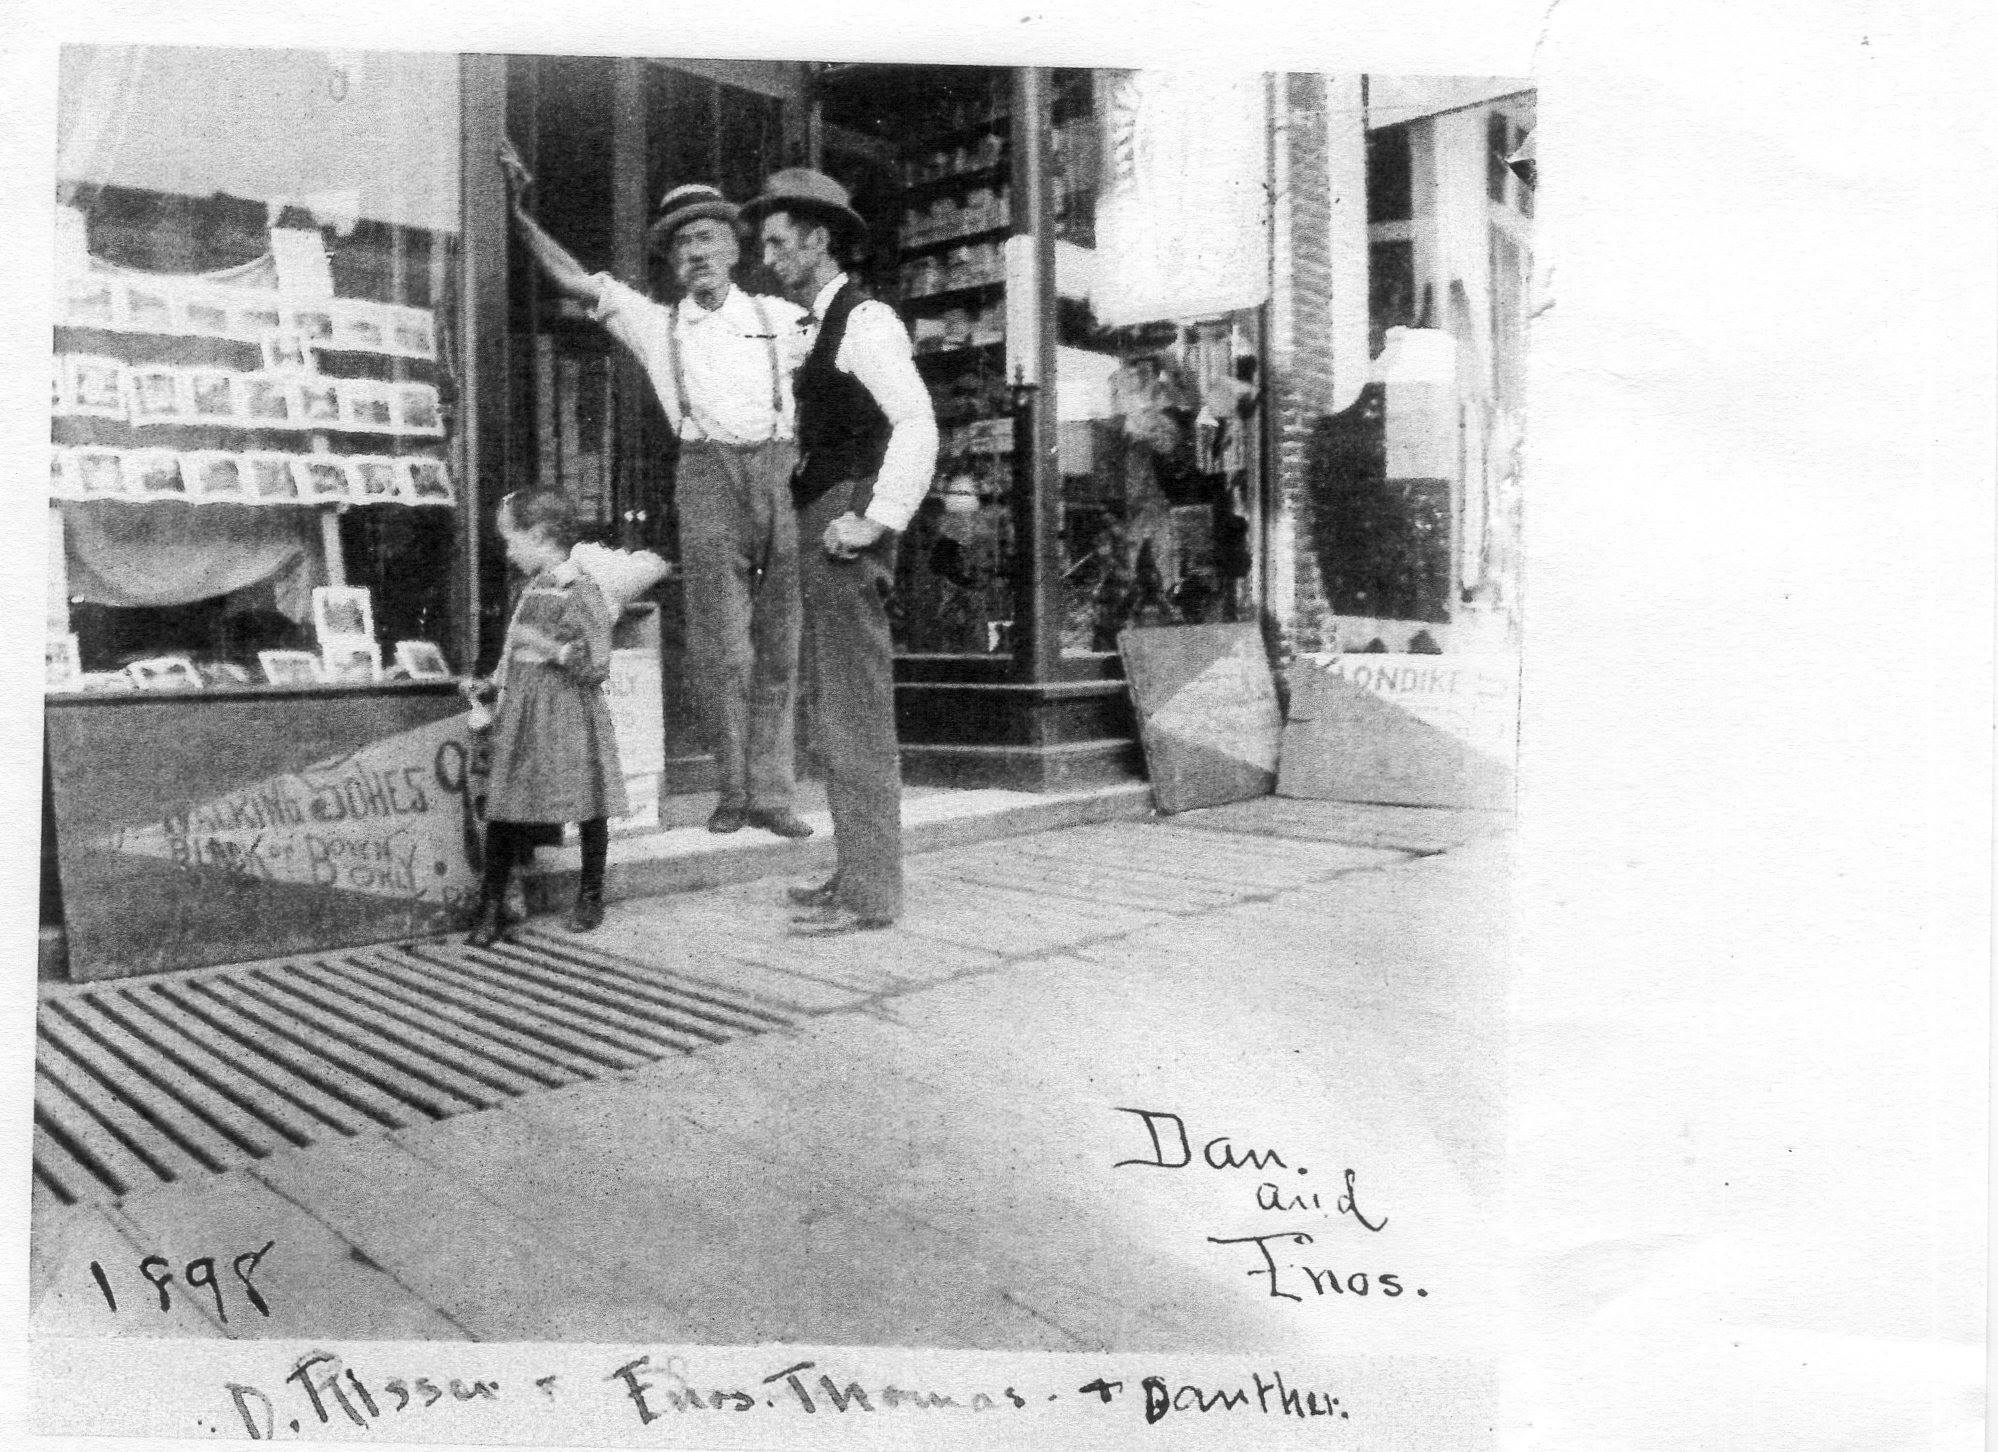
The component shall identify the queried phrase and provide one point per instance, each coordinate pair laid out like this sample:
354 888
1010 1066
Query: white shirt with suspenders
723 376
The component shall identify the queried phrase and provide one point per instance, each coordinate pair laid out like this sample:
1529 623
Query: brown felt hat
811 194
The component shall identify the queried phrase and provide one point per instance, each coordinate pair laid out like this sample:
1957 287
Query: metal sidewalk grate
198 1073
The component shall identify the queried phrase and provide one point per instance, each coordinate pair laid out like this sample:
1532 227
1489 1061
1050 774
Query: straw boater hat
811 194
687 204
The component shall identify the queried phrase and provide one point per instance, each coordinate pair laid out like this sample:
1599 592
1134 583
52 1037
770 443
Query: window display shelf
961 356
947 297
915 247
958 133
929 188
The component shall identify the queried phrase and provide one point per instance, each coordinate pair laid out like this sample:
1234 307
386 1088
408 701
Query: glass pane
1390 179
254 388
926 151
1159 423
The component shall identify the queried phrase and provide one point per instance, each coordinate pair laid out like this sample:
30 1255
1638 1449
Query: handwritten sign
1418 730
216 830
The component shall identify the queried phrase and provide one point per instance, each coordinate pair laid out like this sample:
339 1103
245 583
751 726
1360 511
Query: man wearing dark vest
720 361
867 446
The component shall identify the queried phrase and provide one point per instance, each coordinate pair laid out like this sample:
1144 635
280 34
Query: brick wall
1300 358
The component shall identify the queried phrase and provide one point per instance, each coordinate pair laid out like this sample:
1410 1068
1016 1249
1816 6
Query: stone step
685 858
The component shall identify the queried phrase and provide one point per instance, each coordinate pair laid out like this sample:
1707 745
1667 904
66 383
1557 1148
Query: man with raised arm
867 446
720 361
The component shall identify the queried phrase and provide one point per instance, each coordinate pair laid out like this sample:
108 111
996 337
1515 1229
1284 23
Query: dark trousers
739 552
511 844
851 670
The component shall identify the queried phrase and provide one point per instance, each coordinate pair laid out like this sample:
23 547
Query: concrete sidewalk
931 1156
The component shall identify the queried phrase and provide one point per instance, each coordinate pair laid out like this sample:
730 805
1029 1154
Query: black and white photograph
213 474
424 480
421 660
60 663
96 472
90 302
157 395
342 610
344 660
165 673
270 476
322 403
211 393
153 473
360 326
371 479
266 401
998 821
1062 819
367 407
285 353
96 387
289 667
205 314
320 477
149 309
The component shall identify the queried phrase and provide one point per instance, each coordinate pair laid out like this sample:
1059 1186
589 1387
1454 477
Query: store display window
254 387
1161 259
927 152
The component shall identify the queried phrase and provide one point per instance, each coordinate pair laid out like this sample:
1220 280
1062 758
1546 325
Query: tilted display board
1410 730
1207 712
222 829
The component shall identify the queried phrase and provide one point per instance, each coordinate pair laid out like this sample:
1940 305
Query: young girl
554 755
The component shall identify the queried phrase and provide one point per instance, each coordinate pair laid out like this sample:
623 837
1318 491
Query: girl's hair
546 511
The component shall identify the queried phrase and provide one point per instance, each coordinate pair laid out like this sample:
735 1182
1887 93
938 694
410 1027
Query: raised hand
518 178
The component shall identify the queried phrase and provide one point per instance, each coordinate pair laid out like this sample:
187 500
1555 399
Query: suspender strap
776 378
680 374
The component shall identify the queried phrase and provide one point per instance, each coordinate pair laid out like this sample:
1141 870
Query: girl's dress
554 752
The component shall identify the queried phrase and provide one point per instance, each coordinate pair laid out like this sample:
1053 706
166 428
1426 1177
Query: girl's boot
489 926
588 913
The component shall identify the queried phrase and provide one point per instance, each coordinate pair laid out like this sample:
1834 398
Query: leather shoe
825 895
726 819
833 921
781 820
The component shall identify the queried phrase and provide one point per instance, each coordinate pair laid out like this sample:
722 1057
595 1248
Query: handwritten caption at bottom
1172 1149
324 1391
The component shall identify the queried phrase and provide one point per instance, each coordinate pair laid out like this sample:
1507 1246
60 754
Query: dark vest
842 432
